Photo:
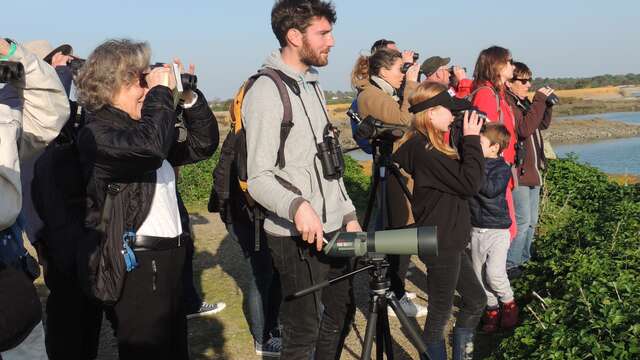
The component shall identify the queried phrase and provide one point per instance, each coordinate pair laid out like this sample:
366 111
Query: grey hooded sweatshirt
281 191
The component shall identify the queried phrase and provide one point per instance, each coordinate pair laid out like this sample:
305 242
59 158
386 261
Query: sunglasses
143 79
522 81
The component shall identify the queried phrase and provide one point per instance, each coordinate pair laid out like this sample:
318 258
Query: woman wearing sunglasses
530 119
128 149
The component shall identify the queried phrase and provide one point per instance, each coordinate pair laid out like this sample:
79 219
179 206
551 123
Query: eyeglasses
522 81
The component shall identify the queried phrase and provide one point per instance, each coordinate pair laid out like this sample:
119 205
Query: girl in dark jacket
133 253
443 182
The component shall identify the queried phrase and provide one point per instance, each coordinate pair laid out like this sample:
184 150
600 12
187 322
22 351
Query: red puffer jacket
485 100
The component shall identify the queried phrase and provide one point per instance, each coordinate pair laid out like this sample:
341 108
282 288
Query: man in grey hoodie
303 206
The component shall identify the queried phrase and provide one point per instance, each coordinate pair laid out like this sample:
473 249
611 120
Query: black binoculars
11 71
189 81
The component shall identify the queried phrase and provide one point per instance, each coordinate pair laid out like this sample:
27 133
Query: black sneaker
271 347
207 309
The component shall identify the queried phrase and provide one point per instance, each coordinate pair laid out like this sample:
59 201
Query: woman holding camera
443 181
530 118
127 150
378 97
494 68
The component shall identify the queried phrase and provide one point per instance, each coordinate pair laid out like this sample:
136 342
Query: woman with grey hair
133 249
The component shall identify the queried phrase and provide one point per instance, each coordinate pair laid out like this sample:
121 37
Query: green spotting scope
420 241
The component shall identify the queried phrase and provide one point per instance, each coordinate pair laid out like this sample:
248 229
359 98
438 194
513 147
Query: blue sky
228 40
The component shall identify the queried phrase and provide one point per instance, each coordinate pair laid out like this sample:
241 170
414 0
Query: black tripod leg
386 340
407 326
372 199
372 321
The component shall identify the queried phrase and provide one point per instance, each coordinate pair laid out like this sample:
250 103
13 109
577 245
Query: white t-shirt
163 219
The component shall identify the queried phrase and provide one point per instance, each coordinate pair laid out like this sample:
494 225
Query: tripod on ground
379 293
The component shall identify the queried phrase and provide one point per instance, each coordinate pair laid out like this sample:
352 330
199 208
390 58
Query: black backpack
229 194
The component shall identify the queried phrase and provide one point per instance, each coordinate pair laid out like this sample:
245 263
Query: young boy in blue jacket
490 236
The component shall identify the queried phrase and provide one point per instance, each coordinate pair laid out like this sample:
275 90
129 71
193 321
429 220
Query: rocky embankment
577 131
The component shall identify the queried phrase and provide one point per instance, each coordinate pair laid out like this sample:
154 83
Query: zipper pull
155 272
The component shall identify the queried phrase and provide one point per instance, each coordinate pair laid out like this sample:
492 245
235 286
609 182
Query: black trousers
445 274
398 213
192 299
72 328
303 326
150 319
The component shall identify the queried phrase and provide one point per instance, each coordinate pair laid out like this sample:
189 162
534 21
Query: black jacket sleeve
127 152
442 173
495 183
546 120
202 134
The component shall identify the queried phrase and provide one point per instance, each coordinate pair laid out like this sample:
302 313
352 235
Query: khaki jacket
32 112
382 106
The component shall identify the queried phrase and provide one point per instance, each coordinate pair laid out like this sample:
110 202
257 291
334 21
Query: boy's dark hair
298 14
497 134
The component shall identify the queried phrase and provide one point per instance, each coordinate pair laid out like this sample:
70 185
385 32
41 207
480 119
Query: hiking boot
490 320
207 309
509 317
409 308
271 347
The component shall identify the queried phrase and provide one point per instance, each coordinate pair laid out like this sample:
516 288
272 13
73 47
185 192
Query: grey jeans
489 249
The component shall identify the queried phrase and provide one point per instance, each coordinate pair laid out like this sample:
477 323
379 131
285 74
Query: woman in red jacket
494 68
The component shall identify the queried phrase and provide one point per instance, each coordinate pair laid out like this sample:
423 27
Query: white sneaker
410 295
409 308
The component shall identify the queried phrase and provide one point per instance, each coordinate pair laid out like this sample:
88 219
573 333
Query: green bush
586 270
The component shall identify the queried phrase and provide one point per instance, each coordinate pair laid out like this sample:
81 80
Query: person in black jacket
490 236
127 149
443 182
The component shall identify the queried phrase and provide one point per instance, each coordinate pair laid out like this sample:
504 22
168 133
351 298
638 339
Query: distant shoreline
583 131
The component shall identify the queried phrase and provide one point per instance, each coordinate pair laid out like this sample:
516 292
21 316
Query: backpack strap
495 93
282 81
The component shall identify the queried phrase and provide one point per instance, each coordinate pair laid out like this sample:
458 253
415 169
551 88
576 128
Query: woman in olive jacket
443 182
128 149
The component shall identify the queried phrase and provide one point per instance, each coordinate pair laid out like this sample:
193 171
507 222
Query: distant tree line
341 97
591 82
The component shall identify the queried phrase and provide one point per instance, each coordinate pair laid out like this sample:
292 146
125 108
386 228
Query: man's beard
310 57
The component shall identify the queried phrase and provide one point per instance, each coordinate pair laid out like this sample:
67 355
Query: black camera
552 100
455 129
189 81
374 129
11 71
406 66
330 153
75 64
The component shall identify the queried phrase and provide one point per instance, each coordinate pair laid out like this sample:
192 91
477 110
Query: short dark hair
520 70
298 14
381 44
497 134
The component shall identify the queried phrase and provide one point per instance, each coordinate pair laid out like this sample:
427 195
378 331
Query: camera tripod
378 321
380 294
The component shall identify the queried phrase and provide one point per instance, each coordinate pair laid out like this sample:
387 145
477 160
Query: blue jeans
11 246
526 200
263 297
